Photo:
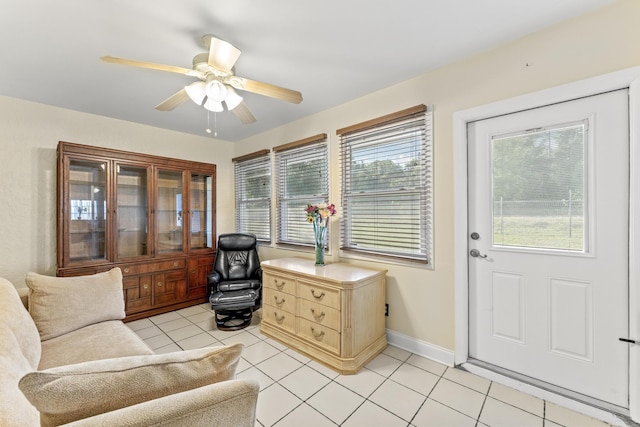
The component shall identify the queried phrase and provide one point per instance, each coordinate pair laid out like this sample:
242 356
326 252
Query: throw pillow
63 304
74 392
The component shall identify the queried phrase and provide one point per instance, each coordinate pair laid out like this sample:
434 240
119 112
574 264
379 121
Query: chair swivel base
232 320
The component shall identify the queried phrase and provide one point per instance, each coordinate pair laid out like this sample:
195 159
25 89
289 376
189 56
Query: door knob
476 254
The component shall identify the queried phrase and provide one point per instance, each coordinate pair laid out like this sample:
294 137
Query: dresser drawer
322 336
280 283
279 300
279 318
319 294
320 314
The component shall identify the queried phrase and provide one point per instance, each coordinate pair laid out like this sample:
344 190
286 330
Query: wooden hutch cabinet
154 217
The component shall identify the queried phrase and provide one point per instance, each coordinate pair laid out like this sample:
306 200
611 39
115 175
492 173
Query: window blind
386 184
302 178
253 195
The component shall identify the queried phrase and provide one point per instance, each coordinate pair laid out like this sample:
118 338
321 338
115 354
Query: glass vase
320 233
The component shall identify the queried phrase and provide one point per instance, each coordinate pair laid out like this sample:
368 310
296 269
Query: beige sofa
69 359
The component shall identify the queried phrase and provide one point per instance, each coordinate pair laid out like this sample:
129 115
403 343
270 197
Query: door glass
201 220
87 210
539 188
132 211
169 212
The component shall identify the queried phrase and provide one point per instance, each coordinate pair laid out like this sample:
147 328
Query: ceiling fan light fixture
196 92
213 105
216 91
233 99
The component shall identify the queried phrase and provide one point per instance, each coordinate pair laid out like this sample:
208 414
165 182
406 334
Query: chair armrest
224 404
213 278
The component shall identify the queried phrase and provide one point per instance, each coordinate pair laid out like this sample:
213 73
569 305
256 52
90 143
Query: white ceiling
332 51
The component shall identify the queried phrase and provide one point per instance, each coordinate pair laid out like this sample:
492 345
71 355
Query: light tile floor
397 388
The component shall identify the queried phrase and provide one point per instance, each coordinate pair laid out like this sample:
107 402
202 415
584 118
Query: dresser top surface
338 272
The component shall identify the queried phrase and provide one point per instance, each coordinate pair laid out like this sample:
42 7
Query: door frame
626 78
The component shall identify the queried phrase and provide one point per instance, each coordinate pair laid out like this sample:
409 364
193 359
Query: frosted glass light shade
196 92
214 106
216 91
233 99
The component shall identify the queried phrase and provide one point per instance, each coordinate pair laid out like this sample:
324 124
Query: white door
548 243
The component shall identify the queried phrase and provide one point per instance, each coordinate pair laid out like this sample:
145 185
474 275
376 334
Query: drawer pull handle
276 300
278 285
279 320
317 336
319 317
159 283
175 263
313 292
126 270
145 286
193 271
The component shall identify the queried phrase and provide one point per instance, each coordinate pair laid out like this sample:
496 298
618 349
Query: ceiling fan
217 81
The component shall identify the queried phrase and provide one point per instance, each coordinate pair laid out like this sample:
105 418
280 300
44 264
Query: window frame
379 131
294 231
242 166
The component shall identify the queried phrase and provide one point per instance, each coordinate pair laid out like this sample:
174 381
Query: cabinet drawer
137 293
279 318
318 313
279 300
279 283
322 336
319 294
153 267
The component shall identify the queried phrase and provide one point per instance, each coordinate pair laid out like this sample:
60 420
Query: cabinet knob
126 270
317 336
193 271
317 316
175 263
313 292
159 283
145 286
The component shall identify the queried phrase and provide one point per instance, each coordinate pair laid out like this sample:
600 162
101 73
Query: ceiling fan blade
222 55
265 89
152 66
175 100
243 113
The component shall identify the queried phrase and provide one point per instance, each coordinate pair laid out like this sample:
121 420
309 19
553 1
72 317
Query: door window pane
169 214
539 188
132 211
87 216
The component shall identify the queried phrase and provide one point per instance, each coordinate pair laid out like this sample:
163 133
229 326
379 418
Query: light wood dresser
333 314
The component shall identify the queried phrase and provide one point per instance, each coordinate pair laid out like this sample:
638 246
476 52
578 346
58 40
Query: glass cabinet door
132 195
169 211
201 208
86 214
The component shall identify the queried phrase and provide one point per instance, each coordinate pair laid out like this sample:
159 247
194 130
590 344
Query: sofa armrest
225 404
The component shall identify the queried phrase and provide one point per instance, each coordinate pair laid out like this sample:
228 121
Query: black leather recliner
236 281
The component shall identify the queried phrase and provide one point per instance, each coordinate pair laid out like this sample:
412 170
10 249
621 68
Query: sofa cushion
74 392
15 409
63 304
15 317
104 340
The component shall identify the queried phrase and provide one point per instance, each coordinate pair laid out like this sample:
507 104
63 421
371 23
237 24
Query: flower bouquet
318 215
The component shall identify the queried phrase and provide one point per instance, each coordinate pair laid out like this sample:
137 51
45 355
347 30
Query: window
253 194
302 177
387 185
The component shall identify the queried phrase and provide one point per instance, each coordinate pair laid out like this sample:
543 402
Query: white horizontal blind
387 188
253 197
302 178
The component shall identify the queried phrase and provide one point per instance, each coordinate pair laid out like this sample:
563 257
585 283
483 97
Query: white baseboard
421 348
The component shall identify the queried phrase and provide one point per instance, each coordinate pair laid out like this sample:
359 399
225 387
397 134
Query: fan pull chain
208 128
215 124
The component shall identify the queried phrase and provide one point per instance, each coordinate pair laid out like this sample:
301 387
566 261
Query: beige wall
421 301
29 134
